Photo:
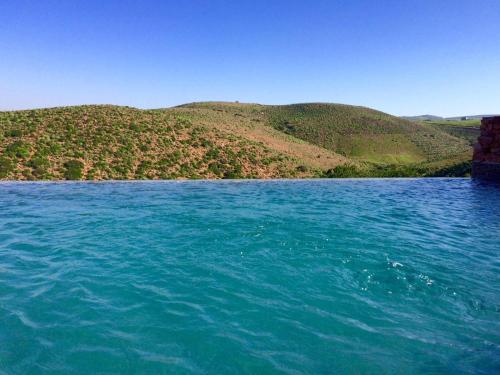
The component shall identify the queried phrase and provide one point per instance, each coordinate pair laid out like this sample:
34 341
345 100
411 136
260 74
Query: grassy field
223 140
467 129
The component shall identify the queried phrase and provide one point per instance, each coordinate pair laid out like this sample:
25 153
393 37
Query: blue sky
403 57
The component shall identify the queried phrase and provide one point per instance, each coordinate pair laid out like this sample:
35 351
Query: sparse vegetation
223 140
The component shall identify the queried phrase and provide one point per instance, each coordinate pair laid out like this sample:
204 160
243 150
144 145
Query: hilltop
423 118
223 140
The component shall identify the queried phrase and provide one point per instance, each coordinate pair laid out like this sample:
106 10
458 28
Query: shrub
233 172
91 174
183 121
18 149
456 170
39 164
214 167
142 168
55 148
14 133
343 171
135 127
74 170
6 166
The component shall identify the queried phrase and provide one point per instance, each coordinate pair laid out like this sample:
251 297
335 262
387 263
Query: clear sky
403 57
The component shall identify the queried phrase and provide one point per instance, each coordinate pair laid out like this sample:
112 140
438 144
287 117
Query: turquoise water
318 277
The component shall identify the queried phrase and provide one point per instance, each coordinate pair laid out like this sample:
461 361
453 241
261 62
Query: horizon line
233 102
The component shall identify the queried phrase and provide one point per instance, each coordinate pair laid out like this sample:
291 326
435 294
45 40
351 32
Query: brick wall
486 159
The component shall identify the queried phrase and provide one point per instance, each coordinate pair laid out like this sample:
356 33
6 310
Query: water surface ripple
318 277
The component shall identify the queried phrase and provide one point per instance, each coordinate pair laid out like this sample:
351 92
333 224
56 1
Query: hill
439 118
221 140
364 134
464 129
469 117
467 129
423 118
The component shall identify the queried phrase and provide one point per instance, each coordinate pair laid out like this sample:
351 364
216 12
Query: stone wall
486 159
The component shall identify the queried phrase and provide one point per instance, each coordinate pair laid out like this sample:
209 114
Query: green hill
222 140
465 129
365 134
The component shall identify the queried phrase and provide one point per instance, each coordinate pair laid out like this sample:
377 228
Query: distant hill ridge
423 118
222 140
436 118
